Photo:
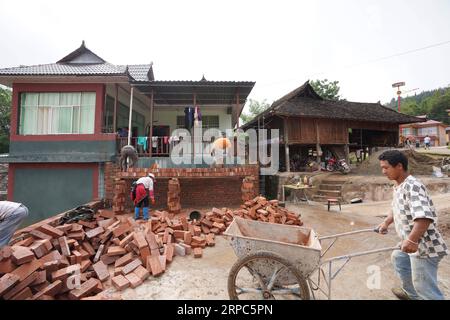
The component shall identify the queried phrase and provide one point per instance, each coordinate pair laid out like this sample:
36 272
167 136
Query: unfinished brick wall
207 187
111 171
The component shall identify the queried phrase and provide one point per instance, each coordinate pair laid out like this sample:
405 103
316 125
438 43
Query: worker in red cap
143 192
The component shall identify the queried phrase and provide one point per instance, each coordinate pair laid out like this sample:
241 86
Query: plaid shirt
411 201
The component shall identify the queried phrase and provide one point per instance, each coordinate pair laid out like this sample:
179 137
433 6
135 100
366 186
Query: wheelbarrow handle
373 229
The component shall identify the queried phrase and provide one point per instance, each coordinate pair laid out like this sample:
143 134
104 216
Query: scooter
337 165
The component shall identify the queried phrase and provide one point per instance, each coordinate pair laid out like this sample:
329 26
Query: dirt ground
206 278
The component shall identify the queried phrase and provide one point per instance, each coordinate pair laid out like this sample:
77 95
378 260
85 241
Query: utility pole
398 85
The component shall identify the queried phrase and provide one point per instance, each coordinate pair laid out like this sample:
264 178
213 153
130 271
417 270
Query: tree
438 108
5 115
255 108
326 89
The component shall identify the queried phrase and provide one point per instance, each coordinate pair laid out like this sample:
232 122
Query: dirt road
206 278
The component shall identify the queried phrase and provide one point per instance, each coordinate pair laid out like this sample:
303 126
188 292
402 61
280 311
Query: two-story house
66 116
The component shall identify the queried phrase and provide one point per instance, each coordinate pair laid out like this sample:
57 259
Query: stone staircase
329 189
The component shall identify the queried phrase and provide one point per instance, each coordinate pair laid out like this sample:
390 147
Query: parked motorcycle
337 165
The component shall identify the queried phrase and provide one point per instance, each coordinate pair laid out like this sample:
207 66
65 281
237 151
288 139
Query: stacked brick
79 260
174 196
247 170
111 171
265 210
121 194
248 188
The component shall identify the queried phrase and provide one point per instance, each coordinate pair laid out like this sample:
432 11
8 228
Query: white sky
279 44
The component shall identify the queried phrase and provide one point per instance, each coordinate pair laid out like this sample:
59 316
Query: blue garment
189 117
136 213
143 142
145 209
10 223
418 275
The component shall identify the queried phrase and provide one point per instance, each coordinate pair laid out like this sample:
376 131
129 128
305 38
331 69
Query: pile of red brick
50 260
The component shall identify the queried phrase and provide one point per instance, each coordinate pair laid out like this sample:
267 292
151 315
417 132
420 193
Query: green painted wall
47 192
48 147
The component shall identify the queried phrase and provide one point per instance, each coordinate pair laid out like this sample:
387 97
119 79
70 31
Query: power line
367 62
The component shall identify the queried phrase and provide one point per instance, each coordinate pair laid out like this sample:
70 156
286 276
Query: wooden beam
150 136
317 142
116 98
286 144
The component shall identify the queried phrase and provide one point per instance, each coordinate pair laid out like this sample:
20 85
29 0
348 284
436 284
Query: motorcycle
337 165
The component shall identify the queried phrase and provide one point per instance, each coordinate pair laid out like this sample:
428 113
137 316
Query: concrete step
321 198
334 182
329 193
323 186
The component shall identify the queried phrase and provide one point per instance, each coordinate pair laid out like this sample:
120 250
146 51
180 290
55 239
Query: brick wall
111 171
200 187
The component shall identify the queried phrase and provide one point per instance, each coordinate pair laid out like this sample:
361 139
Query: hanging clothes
143 142
188 117
197 116
154 142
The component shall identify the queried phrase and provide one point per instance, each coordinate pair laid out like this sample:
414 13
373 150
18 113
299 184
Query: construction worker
11 216
128 157
414 216
144 191
220 148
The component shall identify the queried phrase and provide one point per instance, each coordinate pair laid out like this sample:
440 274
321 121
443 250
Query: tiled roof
305 102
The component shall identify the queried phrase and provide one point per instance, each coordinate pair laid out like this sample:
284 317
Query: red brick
154 265
126 240
51 231
169 251
144 253
63 273
187 238
53 255
85 265
134 280
109 259
41 278
101 270
122 229
120 282
124 260
142 273
198 252
65 250
151 239
116 250
6 266
23 295
21 255
51 290
99 253
131 266
26 269
90 225
40 235
140 240
106 213
21 285
94 232
7 282
85 289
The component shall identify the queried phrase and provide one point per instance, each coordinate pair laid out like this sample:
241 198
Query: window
137 119
208 122
57 113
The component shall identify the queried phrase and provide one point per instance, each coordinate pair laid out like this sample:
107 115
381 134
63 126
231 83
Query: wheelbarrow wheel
266 275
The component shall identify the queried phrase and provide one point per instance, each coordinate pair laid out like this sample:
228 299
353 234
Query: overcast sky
279 44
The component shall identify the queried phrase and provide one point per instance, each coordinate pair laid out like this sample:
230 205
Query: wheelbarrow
277 261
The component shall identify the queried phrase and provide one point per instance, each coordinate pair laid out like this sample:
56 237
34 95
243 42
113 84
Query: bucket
195 215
